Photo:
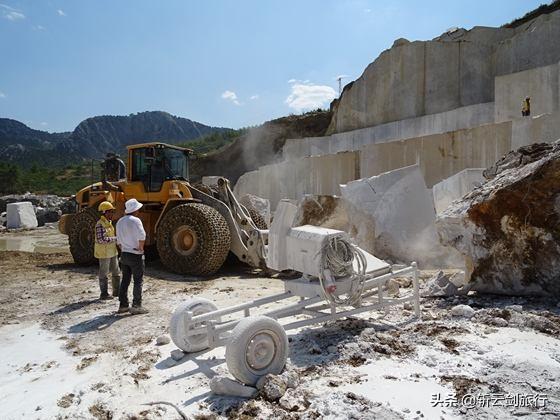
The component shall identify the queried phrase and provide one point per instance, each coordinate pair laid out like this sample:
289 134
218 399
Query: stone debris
294 400
21 216
272 387
498 322
441 285
162 340
222 385
177 354
47 215
464 311
507 228
291 378
322 210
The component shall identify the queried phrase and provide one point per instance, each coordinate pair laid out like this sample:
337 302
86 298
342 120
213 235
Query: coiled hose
337 256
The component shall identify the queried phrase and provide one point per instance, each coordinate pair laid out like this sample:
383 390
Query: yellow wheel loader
193 228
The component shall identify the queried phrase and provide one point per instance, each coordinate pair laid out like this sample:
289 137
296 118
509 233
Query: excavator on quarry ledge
193 228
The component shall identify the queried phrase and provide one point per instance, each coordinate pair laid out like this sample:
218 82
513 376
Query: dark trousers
132 266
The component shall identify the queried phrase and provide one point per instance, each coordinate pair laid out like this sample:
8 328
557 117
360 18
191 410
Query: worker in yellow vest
526 107
106 251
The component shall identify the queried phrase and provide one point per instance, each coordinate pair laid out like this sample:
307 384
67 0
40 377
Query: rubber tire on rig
257 218
273 344
178 329
212 239
82 236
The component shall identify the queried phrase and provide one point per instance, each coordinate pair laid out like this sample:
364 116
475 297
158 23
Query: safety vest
105 250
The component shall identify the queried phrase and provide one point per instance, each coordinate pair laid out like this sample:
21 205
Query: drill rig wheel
193 239
179 326
258 346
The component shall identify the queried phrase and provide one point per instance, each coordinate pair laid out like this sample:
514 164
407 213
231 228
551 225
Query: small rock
499 322
291 378
393 287
221 385
293 400
514 308
314 349
162 340
407 306
464 311
177 354
272 387
442 285
332 349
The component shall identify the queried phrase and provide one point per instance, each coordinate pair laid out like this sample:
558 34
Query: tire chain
214 239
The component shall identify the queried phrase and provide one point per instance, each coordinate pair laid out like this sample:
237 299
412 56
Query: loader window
152 169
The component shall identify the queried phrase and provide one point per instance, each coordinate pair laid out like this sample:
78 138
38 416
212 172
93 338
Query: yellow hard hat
103 207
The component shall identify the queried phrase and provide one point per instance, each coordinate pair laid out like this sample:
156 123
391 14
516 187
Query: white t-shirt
129 232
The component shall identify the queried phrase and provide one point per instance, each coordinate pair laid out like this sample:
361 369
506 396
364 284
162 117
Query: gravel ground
70 356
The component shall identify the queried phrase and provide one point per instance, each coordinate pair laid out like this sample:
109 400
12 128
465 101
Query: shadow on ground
98 323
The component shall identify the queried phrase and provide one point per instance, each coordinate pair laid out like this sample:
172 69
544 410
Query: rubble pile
508 227
48 208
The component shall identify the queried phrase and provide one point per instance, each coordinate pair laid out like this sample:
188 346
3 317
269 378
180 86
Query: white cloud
307 96
44 123
231 96
39 28
254 97
2 94
10 13
61 12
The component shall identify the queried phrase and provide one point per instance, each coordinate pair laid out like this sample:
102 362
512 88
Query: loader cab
153 164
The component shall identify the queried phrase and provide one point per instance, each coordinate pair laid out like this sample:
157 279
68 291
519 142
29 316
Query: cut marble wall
535 129
427 77
441 155
293 179
456 186
461 118
540 84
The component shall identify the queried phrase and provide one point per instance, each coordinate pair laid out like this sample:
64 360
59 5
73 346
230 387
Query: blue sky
222 63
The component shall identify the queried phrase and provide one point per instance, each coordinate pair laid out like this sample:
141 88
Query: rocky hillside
95 136
259 146
18 141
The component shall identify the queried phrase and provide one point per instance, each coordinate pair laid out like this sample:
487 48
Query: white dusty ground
67 355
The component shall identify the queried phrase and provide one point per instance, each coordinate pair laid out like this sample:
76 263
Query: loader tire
257 218
193 239
82 236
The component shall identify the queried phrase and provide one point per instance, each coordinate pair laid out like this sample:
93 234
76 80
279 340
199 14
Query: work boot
138 310
105 296
123 309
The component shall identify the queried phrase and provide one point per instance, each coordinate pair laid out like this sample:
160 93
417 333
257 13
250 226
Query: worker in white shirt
131 237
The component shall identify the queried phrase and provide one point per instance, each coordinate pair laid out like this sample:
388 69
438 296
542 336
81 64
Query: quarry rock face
454 70
392 216
508 228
